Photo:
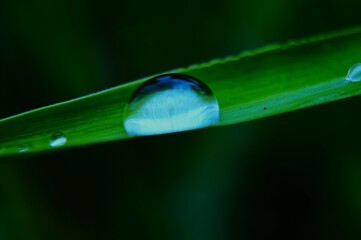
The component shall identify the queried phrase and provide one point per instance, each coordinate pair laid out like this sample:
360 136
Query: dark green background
292 176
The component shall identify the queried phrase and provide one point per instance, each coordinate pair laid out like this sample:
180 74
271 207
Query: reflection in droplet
57 139
24 148
170 103
354 74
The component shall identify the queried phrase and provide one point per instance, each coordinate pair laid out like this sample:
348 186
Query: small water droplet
354 74
57 139
170 103
24 148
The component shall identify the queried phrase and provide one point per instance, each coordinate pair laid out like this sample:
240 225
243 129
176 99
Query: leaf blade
252 85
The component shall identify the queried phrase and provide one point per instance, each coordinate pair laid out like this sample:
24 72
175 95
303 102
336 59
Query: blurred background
291 176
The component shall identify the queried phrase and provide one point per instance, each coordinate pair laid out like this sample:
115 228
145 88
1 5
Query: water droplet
57 139
24 148
354 74
170 103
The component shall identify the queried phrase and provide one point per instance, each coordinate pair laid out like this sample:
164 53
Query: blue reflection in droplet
58 139
354 74
24 148
170 103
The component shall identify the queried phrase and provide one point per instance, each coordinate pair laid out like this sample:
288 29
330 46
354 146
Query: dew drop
24 148
170 103
57 139
354 74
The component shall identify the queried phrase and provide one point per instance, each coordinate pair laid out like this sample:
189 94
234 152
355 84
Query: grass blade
255 84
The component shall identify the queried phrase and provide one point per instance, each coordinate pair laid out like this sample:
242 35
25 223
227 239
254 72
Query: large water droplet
57 139
24 148
170 103
354 74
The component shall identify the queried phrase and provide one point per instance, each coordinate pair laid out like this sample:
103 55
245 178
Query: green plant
254 84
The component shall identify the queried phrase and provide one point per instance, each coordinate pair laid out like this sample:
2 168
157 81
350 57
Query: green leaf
254 84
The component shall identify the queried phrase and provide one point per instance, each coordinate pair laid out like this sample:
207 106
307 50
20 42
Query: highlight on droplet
24 148
354 73
57 139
